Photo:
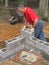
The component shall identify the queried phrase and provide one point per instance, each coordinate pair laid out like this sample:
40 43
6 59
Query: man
34 20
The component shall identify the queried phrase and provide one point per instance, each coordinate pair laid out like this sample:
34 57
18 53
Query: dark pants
38 31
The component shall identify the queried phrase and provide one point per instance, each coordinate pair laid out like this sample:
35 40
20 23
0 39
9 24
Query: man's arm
25 23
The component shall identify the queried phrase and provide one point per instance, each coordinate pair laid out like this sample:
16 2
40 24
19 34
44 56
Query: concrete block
27 47
11 44
43 47
30 42
27 33
19 48
3 54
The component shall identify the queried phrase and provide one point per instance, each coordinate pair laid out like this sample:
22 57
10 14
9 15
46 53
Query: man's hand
24 27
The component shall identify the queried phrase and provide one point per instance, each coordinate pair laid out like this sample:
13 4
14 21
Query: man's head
21 9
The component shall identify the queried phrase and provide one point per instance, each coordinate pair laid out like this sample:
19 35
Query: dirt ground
8 31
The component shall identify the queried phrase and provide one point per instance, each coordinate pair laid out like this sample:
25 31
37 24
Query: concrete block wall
27 33
25 41
13 43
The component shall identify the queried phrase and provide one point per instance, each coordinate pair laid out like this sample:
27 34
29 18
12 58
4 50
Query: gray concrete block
27 47
10 44
3 54
19 48
27 33
31 42
43 47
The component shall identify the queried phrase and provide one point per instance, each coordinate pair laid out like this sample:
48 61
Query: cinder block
7 54
3 54
27 33
27 47
18 43
19 48
11 52
11 44
31 42
42 47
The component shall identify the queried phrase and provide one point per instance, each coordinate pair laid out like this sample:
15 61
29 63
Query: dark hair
21 6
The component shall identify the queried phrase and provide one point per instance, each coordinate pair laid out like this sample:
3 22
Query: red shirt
30 15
